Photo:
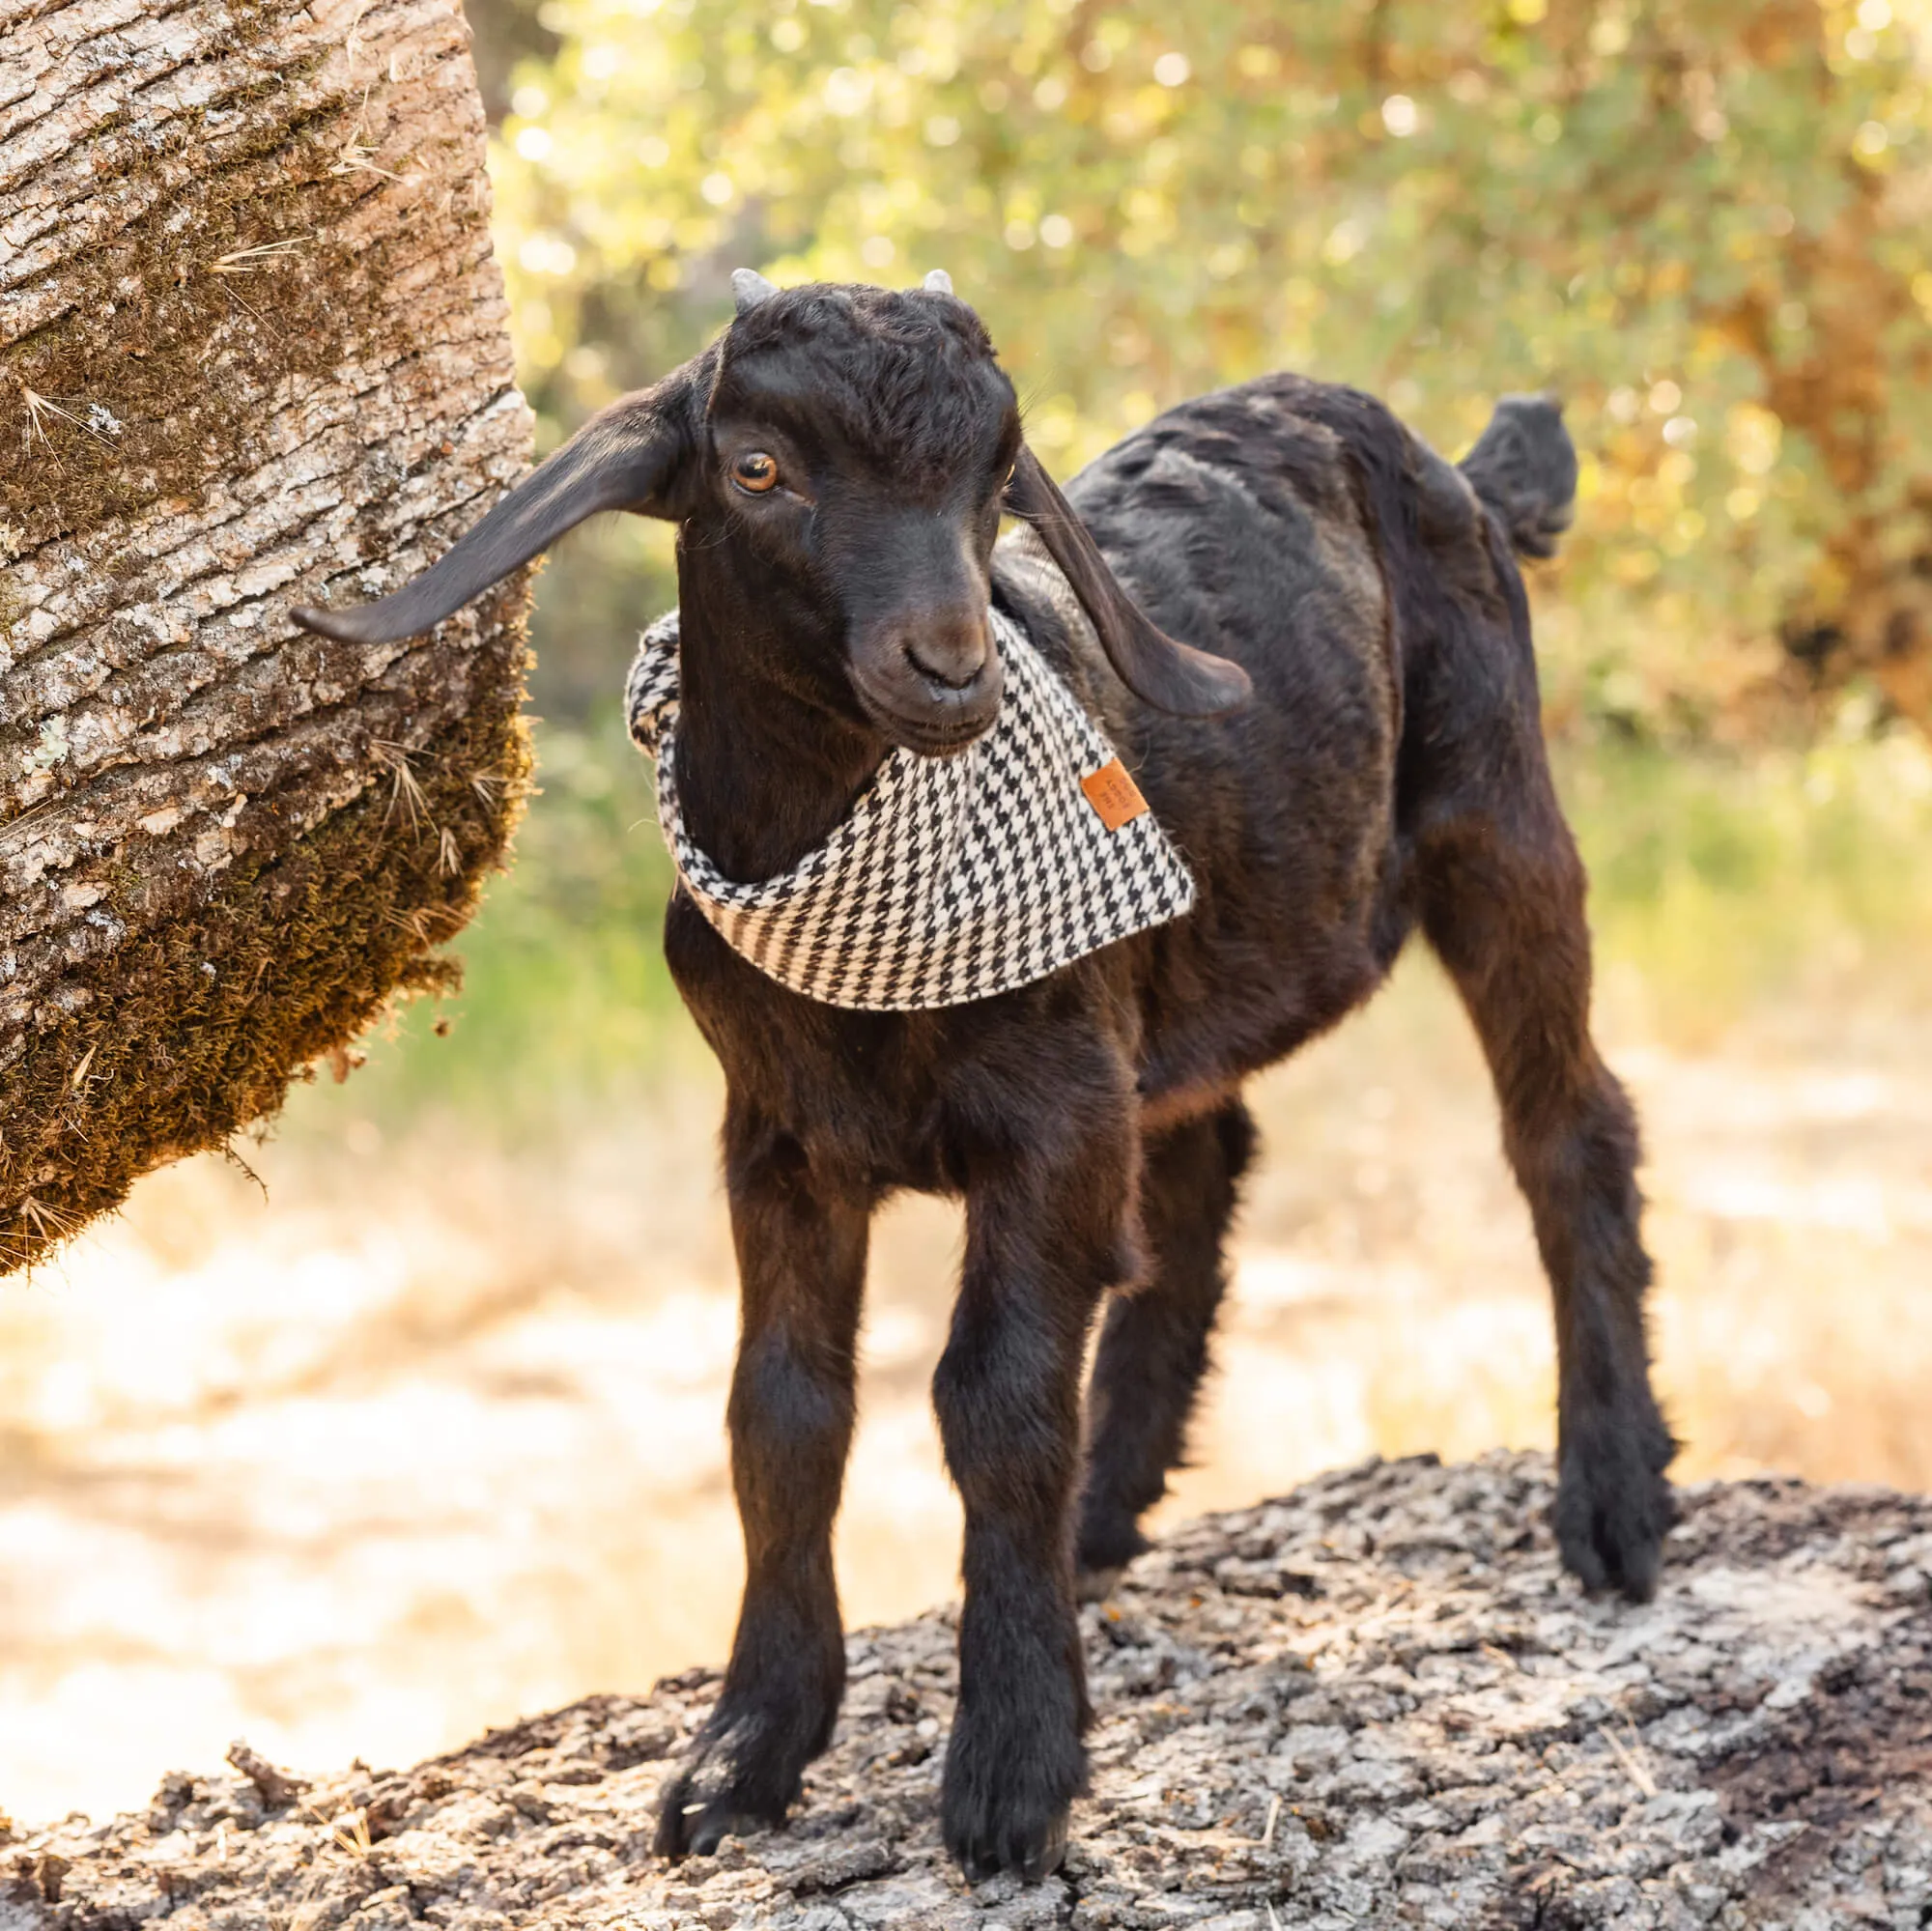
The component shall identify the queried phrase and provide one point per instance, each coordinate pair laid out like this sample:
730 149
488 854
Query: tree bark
1377 1701
252 352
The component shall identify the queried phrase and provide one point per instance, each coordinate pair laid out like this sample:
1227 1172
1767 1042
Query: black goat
839 460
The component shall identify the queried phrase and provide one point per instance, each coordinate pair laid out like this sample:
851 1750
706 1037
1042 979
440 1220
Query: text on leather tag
1114 794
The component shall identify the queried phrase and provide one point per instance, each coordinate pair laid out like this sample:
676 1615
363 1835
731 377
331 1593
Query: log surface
1377 1701
253 352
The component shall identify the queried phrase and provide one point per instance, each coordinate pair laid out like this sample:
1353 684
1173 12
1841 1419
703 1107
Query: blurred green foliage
1704 222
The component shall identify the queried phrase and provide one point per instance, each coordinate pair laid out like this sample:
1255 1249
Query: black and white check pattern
951 878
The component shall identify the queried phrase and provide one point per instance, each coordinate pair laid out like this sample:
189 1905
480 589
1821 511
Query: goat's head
850 449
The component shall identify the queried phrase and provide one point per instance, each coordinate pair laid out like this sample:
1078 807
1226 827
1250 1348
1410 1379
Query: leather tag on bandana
1114 795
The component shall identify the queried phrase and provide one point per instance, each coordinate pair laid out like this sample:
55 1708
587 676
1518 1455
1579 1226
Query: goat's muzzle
931 680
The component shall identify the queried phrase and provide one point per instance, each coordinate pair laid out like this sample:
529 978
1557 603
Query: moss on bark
198 1027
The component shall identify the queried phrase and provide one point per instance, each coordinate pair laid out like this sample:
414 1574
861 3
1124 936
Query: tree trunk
252 352
1377 1702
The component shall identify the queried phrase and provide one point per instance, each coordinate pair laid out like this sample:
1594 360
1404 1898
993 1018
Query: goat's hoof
1007 1799
1107 1542
1614 1508
704 1805
1096 1586
1035 1848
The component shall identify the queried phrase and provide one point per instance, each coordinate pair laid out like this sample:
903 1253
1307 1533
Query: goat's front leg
1042 1245
801 1245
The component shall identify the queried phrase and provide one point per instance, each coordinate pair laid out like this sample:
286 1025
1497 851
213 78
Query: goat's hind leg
802 1268
1154 1347
1503 907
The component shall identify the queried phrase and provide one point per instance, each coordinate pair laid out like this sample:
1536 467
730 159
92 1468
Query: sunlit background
409 1418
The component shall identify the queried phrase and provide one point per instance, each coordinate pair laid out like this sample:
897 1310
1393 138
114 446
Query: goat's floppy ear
627 457
1171 676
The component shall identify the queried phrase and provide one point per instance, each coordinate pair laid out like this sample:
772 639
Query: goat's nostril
956 666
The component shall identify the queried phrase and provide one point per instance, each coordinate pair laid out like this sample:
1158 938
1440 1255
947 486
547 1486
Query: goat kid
1360 755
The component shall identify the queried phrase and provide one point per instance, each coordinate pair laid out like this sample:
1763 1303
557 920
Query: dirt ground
425 1437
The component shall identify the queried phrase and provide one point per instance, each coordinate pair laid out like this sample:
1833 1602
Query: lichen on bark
253 352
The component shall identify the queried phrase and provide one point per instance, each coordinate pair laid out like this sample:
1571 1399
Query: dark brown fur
1387 773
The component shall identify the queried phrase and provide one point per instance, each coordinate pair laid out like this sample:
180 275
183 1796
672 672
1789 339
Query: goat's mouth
930 737
932 724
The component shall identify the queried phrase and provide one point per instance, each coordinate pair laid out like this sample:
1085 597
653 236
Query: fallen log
252 352
1377 1701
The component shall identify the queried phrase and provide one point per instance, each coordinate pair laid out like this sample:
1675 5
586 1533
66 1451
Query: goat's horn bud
749 287
937 282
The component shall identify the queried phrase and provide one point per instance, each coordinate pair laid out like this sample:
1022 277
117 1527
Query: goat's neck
771 752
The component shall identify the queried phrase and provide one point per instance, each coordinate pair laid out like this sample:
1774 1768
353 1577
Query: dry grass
434 1435
406 792
254 261
44 410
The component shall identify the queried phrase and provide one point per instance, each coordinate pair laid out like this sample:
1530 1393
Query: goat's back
1239 523
1298 528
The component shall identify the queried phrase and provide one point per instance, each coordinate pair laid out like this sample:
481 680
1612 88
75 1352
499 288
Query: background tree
1704 222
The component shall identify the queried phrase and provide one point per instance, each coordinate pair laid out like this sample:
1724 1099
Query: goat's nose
953 655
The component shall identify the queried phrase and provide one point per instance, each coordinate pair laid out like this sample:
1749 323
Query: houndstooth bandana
952 878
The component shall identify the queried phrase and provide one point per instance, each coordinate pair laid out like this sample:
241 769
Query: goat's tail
1524 467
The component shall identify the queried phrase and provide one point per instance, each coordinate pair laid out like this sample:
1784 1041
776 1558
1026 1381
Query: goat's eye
754 471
